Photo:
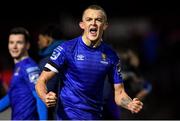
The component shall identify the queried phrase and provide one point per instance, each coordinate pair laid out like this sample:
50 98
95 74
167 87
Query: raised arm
49 98
122 99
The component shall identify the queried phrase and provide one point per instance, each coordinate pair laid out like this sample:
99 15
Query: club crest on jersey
104 58
80 57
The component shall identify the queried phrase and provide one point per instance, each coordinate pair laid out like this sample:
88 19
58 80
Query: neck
90 43
16 60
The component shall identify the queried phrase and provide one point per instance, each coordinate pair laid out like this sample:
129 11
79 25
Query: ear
49 40
105 26
81 24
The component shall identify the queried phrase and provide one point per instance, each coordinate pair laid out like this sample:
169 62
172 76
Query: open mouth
93 30
14 51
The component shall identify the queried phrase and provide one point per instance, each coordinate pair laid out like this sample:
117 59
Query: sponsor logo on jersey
104 62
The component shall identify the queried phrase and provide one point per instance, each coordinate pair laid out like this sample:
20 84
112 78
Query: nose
15 45
94 22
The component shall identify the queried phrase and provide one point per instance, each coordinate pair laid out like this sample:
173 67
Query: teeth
93 32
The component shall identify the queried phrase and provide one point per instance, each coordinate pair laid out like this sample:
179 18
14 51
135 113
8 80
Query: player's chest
91 60
17 76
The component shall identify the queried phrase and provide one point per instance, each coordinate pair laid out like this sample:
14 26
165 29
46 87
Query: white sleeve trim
50 67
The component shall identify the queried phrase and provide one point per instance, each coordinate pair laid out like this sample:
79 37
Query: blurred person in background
49 38
21 96
84 63
135 83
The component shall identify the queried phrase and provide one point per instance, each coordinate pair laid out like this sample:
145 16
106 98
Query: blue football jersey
84 70
23 102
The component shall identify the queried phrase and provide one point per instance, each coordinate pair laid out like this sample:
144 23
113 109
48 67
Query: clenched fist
50 99
135 106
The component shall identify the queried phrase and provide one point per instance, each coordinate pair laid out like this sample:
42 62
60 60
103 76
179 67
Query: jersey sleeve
115 72
4 103
41 107
57 60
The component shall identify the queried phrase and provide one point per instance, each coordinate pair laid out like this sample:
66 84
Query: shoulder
70 43
67 45
108 50
30 65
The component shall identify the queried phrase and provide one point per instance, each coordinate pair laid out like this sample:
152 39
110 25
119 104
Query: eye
100 20
11 42
88 19
20 42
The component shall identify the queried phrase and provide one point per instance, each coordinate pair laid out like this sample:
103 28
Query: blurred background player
137 85
135 82
21 96
49 38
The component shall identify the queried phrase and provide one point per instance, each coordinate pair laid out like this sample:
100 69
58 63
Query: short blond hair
96 7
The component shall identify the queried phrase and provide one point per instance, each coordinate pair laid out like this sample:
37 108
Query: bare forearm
41 90
41 84
123 100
